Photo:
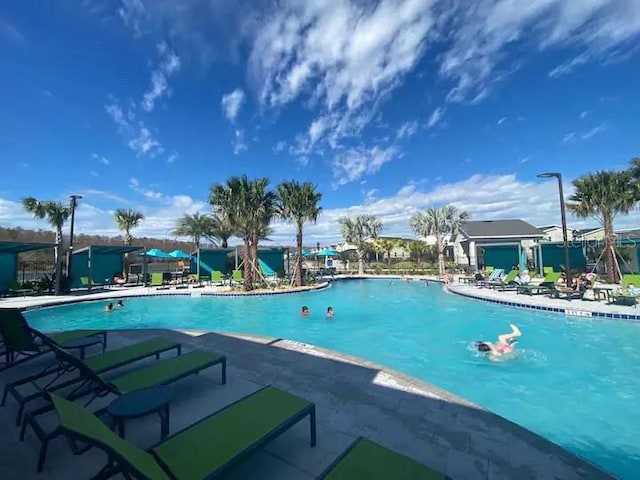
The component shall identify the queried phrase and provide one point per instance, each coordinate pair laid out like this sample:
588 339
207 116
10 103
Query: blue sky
389 106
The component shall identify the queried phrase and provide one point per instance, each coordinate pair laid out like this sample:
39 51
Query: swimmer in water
108 307
304 312
503 346
330 312
119 304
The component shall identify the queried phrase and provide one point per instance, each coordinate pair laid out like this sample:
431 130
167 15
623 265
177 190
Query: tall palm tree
249 207
359 230
196 227
603 195
127 220
438 222
298 203
56 213
262 209
386 246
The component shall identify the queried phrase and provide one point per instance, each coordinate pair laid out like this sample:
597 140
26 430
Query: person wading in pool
503 346
304 312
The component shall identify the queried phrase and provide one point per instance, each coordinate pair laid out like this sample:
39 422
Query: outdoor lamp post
317 257
565 238
74 200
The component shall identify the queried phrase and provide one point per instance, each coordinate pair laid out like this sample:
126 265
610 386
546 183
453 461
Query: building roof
549 227
585 231
499 229
108 249
19 247
629 234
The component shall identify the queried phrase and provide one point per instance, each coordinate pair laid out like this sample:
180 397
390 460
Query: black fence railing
34 270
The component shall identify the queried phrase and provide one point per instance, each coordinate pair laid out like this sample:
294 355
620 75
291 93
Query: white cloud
239 144
352 164
134 184
117 114
435 117
593 132
232 103
370 196
583 115
481 36
280 146
47 93
159 84
407 129
143 143
569 137
11 35
101 158
172 158
501 121
93 173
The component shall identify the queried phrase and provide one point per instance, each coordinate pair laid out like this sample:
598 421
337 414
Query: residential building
498 243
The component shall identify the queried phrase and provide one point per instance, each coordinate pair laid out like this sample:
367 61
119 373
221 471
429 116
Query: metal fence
31 270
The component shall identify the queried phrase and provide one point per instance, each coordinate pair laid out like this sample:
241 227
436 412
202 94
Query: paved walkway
352 397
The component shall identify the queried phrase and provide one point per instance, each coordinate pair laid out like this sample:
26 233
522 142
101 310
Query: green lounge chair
20 340
368 460
162 372
548 283
157 280
86 282
236 276
628 280
547 270
53 376
217 277
207 449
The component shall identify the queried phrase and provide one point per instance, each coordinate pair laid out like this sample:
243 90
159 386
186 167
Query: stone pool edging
108 295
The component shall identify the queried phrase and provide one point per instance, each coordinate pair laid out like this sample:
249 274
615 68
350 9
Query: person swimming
330 312
119 304
108 307
305 311
503 346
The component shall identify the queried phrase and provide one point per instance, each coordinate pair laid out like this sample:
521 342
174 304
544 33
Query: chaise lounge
368 460
206 449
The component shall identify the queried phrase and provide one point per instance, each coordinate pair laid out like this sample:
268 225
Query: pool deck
574 307
353 397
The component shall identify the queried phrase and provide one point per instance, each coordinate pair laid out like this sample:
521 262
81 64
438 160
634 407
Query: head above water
483 347
305 309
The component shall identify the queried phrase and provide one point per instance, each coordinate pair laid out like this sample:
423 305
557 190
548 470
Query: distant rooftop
499 228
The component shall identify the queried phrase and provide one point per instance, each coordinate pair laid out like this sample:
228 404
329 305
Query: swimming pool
574 381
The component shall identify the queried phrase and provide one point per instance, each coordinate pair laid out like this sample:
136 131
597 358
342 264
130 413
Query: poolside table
602 293
140 403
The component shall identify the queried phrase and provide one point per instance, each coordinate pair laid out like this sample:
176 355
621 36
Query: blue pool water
574 380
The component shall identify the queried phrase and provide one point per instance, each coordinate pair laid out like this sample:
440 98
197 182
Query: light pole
565 238
317 257
74 200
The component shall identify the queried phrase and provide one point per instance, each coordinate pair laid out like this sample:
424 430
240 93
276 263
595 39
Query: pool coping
581 311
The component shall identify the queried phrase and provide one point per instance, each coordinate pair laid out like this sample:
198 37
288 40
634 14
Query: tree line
245 208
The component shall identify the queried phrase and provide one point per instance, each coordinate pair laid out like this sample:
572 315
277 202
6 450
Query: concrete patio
353 398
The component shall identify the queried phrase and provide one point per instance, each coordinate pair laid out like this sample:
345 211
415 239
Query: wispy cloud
501 121
232 103
568 137
435 117
138 136
583 115
144 143
134 184
101 158
159 84
172 158
47 93
239 144
11 35
407 130
350 165
280 146
593 132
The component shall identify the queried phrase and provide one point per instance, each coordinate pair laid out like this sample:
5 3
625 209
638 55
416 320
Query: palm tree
359 230
262 208
56 213
417 248
222 229
604 195
386 245
127 220
298 203
248 207
438 222
195 226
